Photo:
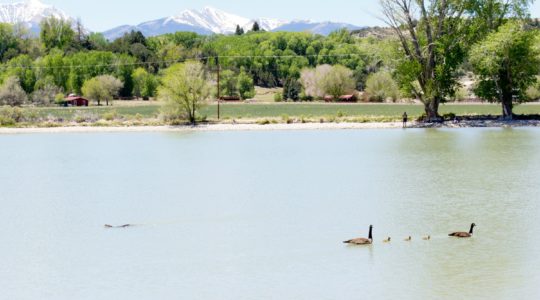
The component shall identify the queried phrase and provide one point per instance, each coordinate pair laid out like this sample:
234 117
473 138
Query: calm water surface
261 215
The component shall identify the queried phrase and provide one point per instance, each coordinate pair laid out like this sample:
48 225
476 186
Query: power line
6 67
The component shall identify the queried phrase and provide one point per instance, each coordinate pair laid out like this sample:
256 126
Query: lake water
262 215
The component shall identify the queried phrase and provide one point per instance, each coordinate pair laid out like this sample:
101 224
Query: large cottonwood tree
435 36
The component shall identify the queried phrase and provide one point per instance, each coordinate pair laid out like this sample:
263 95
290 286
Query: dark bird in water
464 234
121 226
362 241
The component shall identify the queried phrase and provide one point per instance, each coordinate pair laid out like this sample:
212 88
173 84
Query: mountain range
29 13
207 21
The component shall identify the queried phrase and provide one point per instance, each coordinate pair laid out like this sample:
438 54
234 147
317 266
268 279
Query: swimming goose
362 241
408 239
464 234
387 240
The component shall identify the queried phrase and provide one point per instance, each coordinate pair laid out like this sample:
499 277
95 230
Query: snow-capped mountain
211 20
29 13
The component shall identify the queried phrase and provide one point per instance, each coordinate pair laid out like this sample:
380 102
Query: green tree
8 40
507 64
11 93
144 83
435 37
256 27
102 88
22 68
56 33
246 88
185 89
228 84
239 30
381 86
339 81
292 89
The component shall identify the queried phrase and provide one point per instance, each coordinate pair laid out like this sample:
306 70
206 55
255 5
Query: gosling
408 239
427 238
388 240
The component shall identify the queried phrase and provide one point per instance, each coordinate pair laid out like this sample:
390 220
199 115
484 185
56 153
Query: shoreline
269 127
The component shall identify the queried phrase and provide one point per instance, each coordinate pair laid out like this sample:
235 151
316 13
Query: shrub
110 116
46 95
278 97
12 115
381 86
11 93
85 117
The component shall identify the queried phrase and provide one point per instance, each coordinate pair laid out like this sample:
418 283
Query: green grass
147 111
247 111
354 110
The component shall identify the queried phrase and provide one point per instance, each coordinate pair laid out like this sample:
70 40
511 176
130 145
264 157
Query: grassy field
247 111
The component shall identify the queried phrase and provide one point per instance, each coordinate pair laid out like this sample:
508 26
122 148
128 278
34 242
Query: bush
10 116
46 95
85 117
110 116
11 93
381 86
292 89
278 97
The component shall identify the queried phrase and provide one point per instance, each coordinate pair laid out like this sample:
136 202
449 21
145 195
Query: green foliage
228 84
11 93
256 27
327 80
21 68
8 41
239 30
507 64
185 89
278 97
10 116
144 83
246 88
292 89
56 33
339 81
381 86
102 88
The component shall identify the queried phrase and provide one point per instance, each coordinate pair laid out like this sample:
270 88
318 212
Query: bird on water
408 239
464 234
362 241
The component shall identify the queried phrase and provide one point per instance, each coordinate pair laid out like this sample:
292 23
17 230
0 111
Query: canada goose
408 239
387 240
427 238
464 234
362 241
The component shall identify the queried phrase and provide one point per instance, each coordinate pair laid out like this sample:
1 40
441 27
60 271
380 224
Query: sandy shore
270 127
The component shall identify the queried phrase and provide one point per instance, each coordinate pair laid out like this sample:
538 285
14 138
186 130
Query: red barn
76 101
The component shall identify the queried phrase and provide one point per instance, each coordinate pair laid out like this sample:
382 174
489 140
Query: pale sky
100 15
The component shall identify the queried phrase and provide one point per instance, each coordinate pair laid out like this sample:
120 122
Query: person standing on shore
405 119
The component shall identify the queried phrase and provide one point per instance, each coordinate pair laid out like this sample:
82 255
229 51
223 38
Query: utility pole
218 90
